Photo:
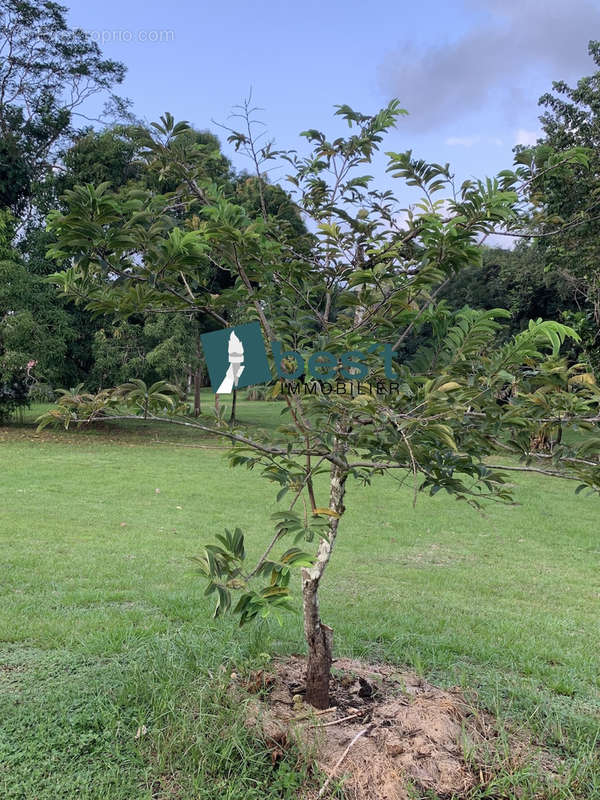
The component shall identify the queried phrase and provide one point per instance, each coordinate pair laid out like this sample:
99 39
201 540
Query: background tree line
48 72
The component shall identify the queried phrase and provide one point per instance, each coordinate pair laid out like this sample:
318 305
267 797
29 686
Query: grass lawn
105 633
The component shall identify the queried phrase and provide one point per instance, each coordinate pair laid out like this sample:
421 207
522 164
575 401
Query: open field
104 629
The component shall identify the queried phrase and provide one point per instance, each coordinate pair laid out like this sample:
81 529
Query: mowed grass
105 634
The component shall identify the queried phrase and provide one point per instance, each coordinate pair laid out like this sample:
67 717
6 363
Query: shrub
41 392
14 383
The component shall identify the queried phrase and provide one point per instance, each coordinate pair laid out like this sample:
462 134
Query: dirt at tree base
414 735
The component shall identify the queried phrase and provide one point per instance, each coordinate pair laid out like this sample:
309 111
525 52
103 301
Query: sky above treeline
469 73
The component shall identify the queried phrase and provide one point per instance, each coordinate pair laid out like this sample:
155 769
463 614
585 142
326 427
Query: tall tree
56 333
47 73
15 362
568 199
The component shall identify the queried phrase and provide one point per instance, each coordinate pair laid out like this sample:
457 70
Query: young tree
369 280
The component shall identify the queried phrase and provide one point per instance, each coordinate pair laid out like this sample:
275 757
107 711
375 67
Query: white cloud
462 141
493 65
495 140
527 137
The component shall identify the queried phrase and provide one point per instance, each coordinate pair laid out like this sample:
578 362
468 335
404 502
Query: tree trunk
233 406
197 375
319 637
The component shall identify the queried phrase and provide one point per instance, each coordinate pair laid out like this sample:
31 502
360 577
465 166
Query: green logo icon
236 357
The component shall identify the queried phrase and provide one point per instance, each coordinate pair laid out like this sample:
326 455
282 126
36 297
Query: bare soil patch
386 734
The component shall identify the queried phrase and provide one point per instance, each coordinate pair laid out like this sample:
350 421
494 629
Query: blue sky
469 72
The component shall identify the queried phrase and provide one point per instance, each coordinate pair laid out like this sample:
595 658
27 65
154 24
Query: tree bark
319 637
197 375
